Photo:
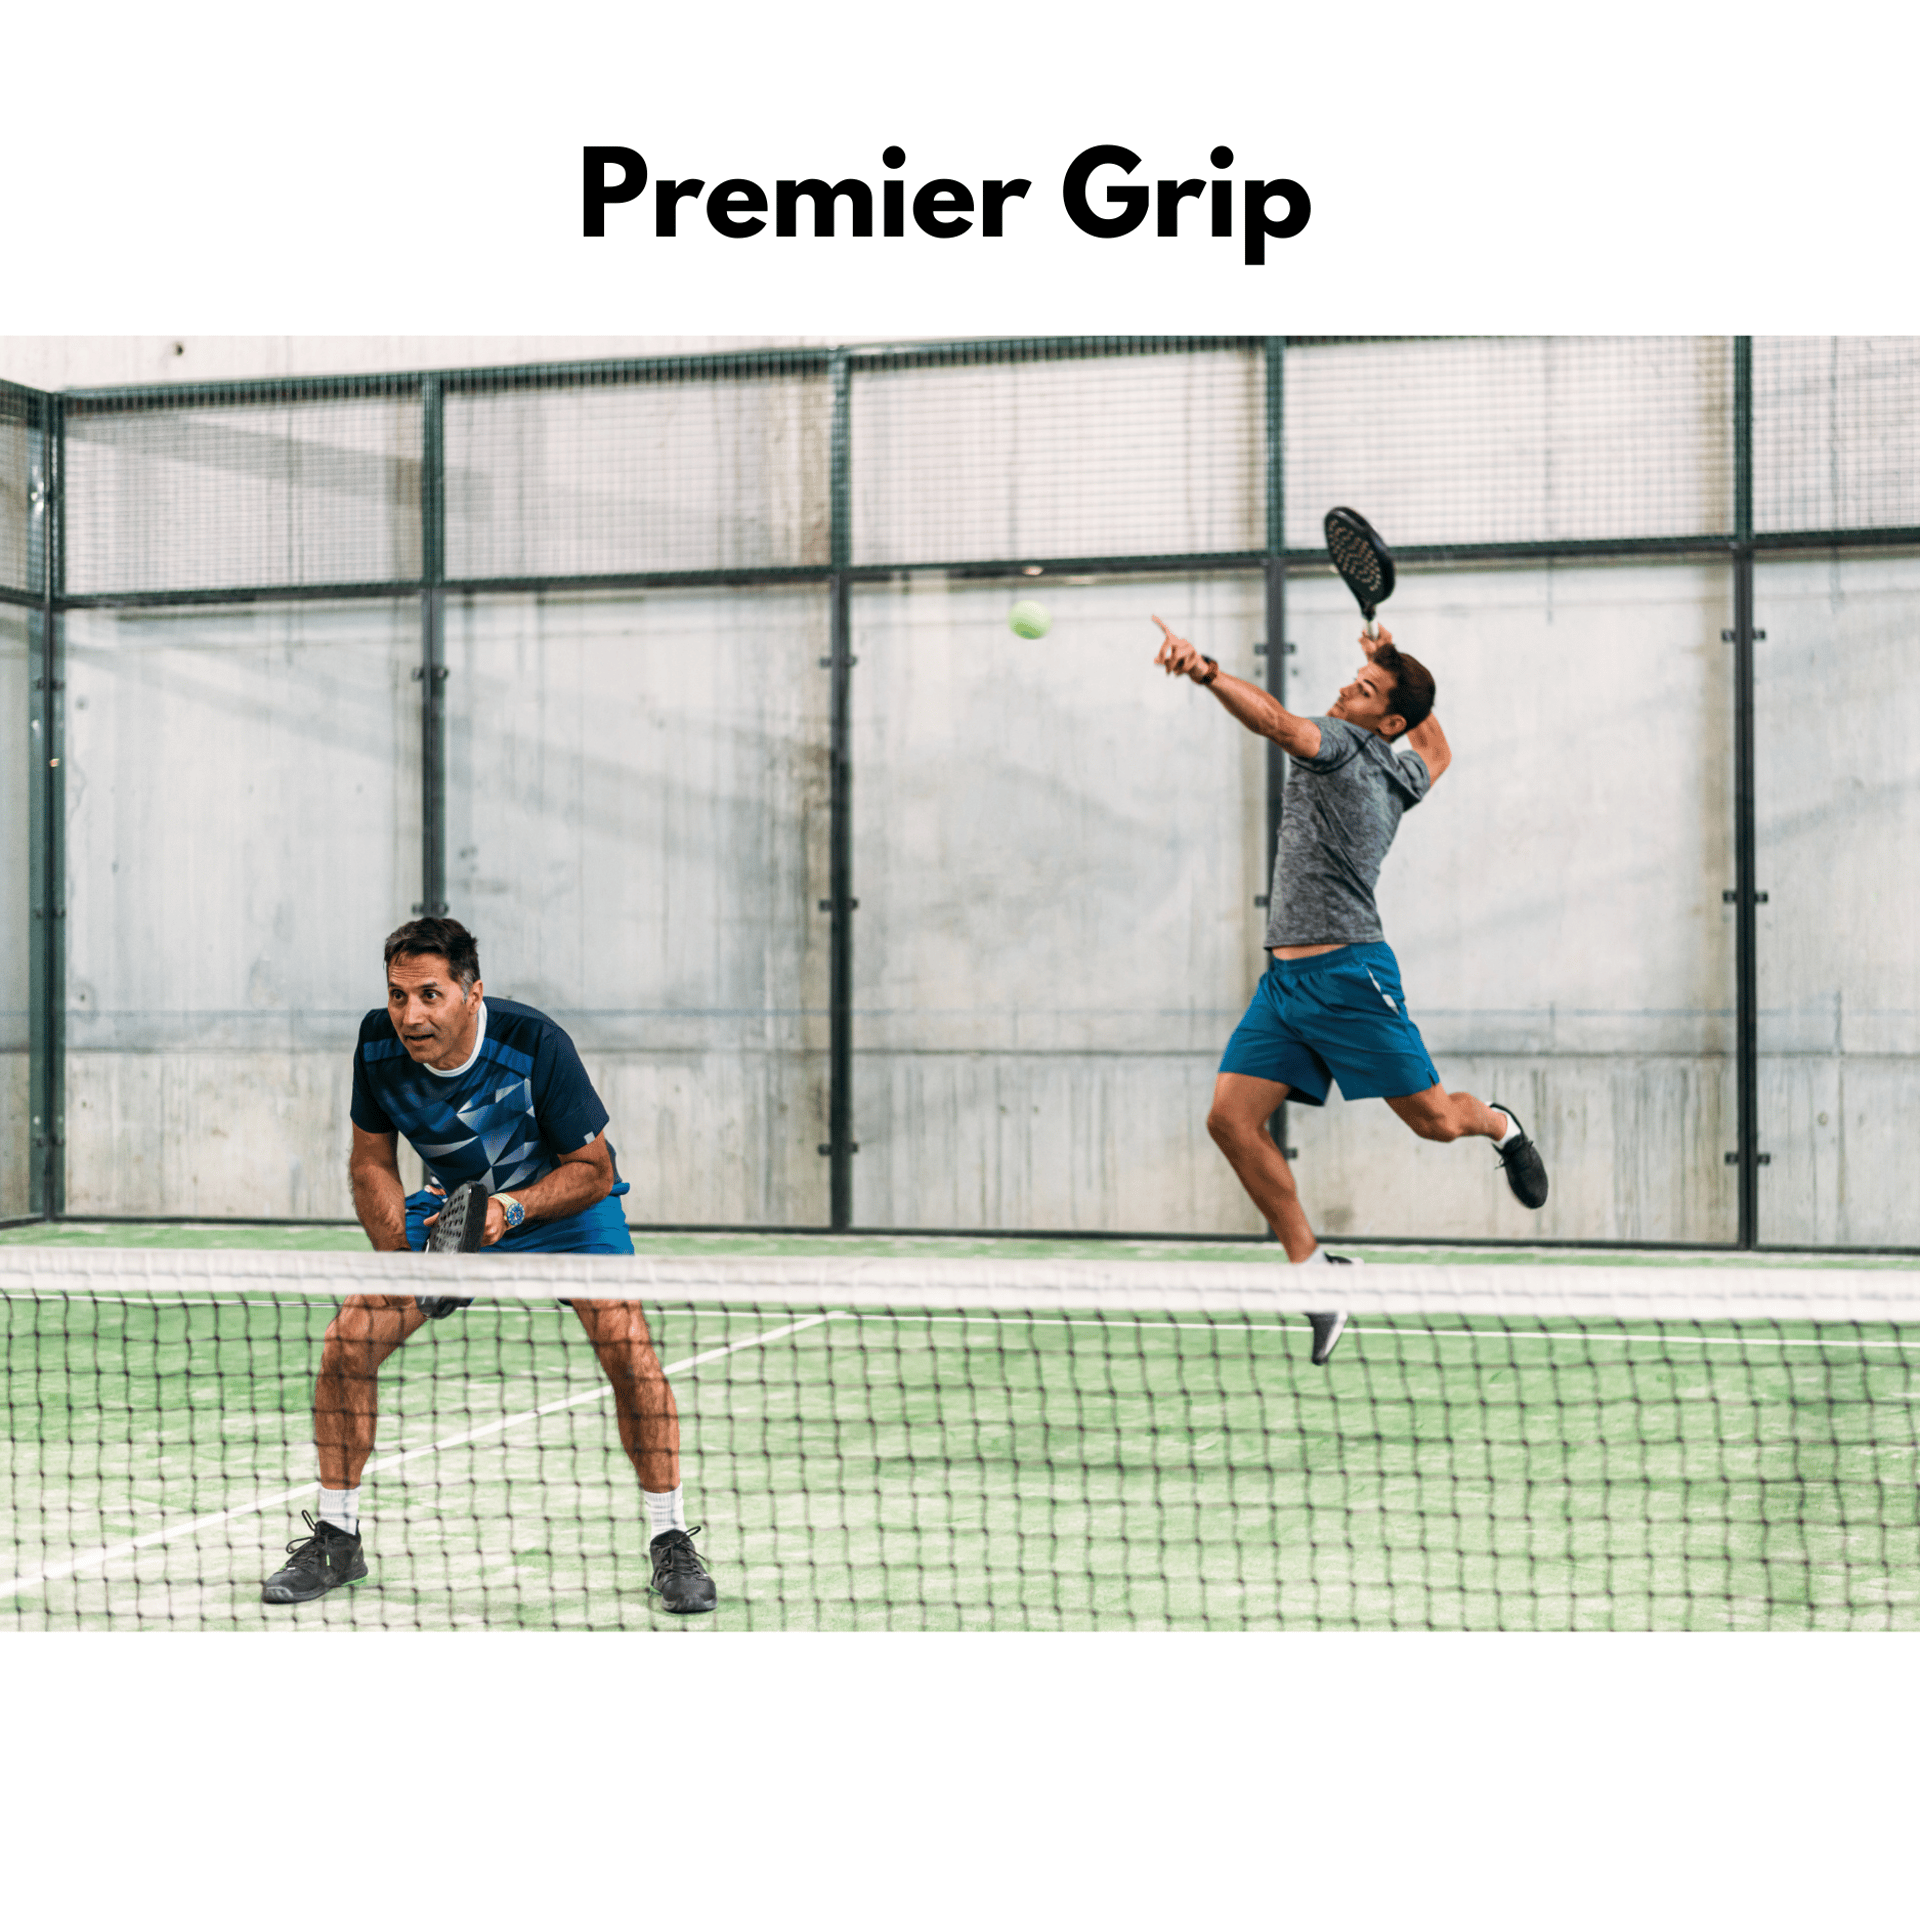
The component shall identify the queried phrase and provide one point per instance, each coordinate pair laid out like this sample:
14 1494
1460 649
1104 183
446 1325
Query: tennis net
980 1443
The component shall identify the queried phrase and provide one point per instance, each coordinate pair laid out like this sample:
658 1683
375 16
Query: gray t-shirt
1341 811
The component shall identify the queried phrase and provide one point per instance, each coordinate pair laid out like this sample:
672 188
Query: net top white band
1838 1293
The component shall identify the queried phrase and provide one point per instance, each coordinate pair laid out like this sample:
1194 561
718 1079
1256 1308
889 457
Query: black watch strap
1214 675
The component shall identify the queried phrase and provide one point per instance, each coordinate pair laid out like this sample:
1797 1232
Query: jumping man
494 1093
1330 1007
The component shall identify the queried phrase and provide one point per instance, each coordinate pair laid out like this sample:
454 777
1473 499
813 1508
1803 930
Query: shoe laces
680 1555
308 1547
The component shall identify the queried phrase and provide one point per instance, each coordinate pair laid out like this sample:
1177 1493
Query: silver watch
514 1211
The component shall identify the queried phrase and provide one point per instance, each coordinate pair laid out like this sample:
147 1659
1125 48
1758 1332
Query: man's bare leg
1242 1106
650 1432
1440 1115
346 1410
346 1400
642 1395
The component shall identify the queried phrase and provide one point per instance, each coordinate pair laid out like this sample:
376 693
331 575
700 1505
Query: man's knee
1235 1132
354 1347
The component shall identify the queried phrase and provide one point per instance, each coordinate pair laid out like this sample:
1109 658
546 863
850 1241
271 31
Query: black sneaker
679 1574
1526 1171
327 1558
1328 1327
460 1227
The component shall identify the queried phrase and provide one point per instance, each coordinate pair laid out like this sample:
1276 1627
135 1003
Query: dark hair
1413 688
448 938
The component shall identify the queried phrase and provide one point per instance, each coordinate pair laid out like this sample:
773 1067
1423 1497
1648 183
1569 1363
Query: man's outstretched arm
1255 708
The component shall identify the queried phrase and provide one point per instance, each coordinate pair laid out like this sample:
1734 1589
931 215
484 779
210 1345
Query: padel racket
1362 559
461 1227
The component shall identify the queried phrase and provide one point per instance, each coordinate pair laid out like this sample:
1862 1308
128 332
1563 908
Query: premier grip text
1099 191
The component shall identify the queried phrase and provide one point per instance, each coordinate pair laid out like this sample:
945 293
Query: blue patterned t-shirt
503 1121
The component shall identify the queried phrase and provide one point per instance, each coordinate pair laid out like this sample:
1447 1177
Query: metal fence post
1276 624
840 1142
433 648
1746 900
46 824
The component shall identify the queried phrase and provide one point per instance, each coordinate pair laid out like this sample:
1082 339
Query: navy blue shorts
1338 1016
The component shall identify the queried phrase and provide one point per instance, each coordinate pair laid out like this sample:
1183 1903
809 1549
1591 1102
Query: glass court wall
688 684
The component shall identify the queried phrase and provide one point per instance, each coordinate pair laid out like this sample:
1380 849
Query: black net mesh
1472 442
1835 423
17 418
279 487
696 467
1045 452
951 1449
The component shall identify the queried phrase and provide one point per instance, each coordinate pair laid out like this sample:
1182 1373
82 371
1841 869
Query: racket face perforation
1360 557
463 1221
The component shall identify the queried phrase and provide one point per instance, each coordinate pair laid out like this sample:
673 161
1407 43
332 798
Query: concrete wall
637 832
1554 902
1838 715
1056 853
243 829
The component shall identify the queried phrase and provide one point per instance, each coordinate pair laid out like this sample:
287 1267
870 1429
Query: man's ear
1392 726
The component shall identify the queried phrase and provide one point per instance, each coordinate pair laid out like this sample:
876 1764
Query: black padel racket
1362 559
461 1227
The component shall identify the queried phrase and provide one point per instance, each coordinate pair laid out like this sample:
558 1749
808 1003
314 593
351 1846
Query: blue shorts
602 1228
1338 1016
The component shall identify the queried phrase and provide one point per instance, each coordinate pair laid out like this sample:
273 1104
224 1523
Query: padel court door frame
42 593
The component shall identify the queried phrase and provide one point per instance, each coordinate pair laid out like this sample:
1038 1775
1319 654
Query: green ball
1029 619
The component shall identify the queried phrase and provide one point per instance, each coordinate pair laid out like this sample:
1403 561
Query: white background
407 170
1481 167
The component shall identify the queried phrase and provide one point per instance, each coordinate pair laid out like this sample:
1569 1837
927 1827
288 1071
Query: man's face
433 1018
1364 702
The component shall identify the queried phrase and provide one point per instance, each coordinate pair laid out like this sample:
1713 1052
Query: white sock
665 1513
340 1507
1513 1130
1317 1258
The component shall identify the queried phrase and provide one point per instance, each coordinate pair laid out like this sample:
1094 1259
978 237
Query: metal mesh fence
681 469
1836 422
970 457
1483 442
1837 693
689 684
16 912
16 516
318 486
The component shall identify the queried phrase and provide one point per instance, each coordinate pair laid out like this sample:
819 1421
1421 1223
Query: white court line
1359 1326
87 1562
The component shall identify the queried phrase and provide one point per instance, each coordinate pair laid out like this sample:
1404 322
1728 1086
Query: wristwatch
512 1208
1213 676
